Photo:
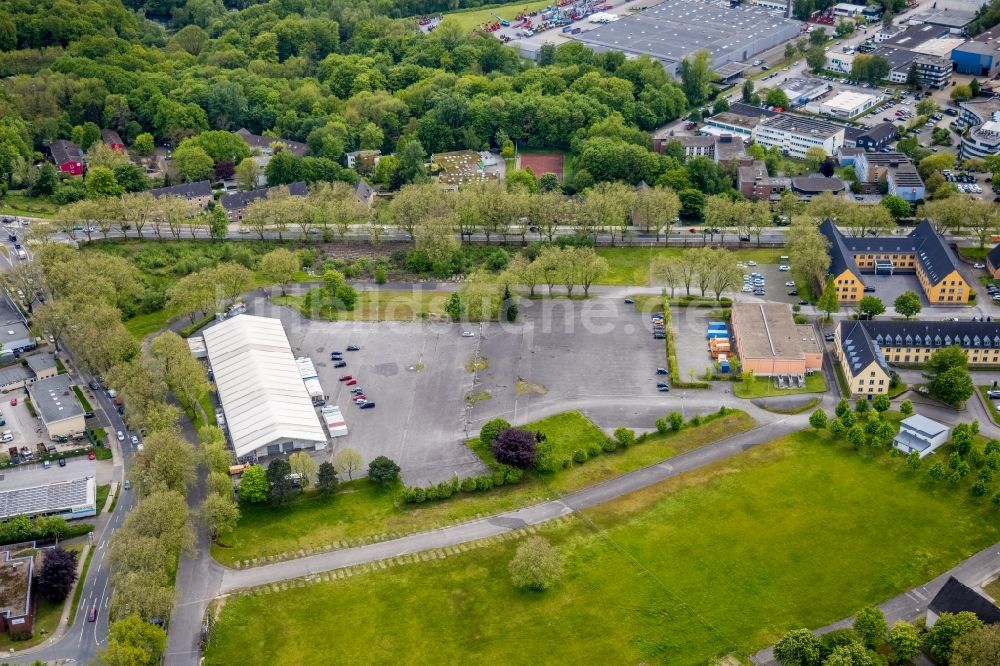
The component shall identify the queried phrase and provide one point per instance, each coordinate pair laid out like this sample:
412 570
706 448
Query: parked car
662 386
135 441
91 456
352 382
92 615
340 364
62 462
86 415
829 337
121 436
978 265
360 400
353 348
368 405
94 385
993 394
128 485
468 334
793 292
629 301
357 390
661 371
346 378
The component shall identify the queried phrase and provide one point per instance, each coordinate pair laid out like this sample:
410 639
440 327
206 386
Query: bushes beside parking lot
21 528
550 458
675 375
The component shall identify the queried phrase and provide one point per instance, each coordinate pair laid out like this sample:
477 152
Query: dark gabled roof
936 257
65 151
841 258
364 191
851 134
858 347
258 141
111 137
965 334
879 132
244 199
955 597
994 256
201 188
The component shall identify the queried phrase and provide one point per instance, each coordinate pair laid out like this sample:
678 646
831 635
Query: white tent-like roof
259 384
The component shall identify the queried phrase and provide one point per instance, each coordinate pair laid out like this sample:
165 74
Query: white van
7 436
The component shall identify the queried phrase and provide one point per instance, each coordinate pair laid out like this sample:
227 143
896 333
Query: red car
358 399
352 382
92 615
91 456
346 378
13 401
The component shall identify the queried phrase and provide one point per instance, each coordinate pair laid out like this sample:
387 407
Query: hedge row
20 529
675 375
499 475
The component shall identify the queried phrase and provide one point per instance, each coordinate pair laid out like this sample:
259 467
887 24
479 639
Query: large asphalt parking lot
596 355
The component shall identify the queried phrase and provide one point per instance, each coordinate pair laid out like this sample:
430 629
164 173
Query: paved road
203 579
82 641
982 566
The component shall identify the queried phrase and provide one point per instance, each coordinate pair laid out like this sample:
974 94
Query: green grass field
630 265
470 20
381 305
20 204
722 560
142 325
567 432
361 509
764 387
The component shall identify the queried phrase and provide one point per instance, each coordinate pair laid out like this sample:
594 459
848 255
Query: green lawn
20 204
83 400
469 20
566 432
381 305
630 265
142 325
764 387
360 509
991 405
102 496
797 533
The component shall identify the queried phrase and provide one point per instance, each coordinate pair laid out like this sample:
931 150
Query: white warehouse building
268 410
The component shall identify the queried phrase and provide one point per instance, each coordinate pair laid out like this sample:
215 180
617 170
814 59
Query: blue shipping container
717 334
716 325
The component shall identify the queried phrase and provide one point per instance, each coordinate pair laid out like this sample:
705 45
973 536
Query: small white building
848 104
921 434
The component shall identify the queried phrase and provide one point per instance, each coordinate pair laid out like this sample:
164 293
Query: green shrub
419 495
444 490
498 477
694 421
610 445
580 456
625 437
468 484
381 275
484 482
431 493
676 421
513 475
593 450
661 426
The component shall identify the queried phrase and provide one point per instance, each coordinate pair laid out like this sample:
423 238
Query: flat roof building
921 435
17 607
65 493
848 104
795 135
267 408
770 343
58 406
674 29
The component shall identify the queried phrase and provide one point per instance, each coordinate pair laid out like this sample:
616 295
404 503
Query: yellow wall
977 356
953 289
872 380
70 426
849 288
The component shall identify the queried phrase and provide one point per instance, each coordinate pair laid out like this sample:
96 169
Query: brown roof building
266 144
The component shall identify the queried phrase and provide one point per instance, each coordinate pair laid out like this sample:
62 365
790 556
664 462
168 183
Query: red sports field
540 163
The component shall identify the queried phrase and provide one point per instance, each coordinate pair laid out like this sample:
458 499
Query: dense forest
333 74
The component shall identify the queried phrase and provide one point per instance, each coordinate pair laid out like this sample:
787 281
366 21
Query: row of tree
956 639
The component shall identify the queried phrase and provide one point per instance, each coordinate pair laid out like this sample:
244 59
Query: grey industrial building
675 29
